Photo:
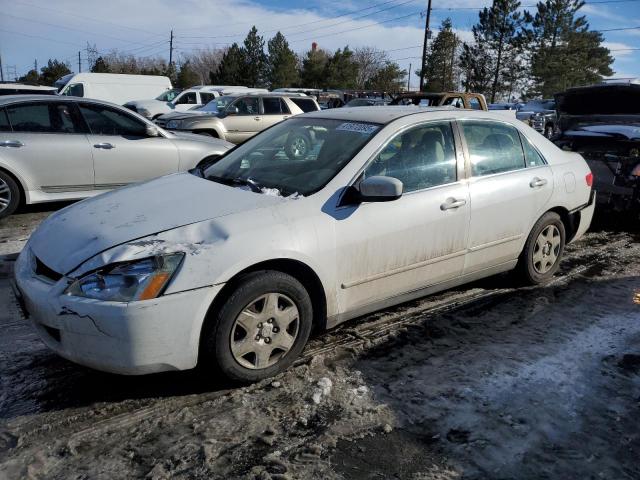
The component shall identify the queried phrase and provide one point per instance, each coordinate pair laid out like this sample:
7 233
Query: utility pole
424 46
79 63
35 65
409 78
171 48
1 70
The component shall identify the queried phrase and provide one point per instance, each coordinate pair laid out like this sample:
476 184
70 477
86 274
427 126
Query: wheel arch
569 220
210 130
19 182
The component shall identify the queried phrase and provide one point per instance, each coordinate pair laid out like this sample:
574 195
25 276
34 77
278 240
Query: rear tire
9 195
261 328
298 145
543 250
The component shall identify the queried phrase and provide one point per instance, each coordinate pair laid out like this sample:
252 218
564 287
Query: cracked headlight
127 282
174 124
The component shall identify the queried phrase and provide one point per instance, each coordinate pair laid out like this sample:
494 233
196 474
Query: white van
188 99
112 87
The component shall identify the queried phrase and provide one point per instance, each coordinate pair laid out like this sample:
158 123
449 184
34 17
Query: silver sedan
64 148
234 264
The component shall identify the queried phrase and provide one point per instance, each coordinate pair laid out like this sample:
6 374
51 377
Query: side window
531 155
474 102
107 121
188 98
75 90
305 104
454 101
206 97
493 147
274 106
421 157
5 126
247 106
43 117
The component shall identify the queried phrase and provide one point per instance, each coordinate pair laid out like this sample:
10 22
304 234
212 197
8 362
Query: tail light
589 179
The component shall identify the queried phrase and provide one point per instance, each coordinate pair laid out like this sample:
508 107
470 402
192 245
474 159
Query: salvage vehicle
540 115
472 101
232 266
188 99
602 123
239 116
56 148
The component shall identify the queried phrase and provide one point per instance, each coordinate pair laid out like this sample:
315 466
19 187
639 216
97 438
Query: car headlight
129 281
173 124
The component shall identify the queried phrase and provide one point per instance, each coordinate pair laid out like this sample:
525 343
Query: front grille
44 271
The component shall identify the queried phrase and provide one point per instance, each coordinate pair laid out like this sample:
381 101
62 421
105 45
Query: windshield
168 95
299 155
217 105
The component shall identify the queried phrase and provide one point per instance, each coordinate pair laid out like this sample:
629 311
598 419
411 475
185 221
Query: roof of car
375 114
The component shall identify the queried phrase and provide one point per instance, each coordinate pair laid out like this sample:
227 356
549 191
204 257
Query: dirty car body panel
365 255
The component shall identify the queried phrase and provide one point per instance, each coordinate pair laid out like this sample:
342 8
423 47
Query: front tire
9 195
543 250
260 329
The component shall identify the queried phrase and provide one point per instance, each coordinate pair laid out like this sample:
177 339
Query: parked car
112 87
65 148
503 106
233 265
24 89
540 115
239 116
602 123
189 99
473 101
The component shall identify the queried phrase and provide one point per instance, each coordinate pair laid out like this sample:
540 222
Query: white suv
185 100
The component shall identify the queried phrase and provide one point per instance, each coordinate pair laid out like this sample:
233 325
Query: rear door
509 191
122 151
246 123
49 146
274 111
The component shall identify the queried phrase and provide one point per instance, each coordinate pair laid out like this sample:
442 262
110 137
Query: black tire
217 338
9 195
530 270
298 145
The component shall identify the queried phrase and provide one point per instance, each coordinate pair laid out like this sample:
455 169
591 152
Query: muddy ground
488 381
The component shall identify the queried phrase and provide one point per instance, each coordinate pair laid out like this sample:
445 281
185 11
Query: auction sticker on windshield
358 127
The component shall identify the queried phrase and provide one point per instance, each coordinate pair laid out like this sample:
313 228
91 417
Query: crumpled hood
78 232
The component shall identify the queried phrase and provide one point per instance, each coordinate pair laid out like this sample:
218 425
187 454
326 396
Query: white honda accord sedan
232 266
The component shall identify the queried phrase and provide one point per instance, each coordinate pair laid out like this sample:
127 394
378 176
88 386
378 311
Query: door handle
452 203
537 182
257 119
105 146
12 143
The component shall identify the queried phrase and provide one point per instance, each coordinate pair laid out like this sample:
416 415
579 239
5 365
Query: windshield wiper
252 184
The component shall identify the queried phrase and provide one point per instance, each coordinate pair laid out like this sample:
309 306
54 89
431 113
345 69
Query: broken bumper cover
128 338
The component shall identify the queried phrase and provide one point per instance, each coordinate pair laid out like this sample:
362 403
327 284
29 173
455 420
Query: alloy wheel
547 249
5 195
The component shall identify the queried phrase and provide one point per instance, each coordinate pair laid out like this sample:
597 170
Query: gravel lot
488 381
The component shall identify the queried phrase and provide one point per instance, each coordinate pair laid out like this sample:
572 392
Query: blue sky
33 30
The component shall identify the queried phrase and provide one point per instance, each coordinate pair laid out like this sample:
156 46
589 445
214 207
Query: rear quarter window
305 104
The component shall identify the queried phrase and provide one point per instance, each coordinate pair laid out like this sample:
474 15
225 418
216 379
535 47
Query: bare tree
370 62
204 61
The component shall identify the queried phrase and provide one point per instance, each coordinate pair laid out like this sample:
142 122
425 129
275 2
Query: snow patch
323 389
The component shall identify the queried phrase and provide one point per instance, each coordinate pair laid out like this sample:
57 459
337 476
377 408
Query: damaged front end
602 123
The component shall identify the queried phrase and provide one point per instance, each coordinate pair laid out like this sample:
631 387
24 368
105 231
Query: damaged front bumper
128 338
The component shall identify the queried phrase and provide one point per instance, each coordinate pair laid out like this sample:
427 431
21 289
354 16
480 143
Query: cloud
619 49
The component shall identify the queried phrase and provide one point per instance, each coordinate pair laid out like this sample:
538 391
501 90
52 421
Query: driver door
246 122
122 151
185 102
386 249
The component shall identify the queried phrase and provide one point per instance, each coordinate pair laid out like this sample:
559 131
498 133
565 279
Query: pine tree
341 71
52 71
282 63
313 66
388 79
100 66
565 52
32 77
231 68
186 76
254 59
441 64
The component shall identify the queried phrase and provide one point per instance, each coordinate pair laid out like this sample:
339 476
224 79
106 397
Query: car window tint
531 155
493 147
206 97
42 118
421 157
5 126
274 106
247 106
76 90
475 103
107 121
305 104
188 98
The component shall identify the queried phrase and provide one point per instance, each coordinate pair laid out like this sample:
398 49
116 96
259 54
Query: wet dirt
487 381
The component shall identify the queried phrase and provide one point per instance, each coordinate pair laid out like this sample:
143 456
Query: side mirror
380 189
232 110
152 131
